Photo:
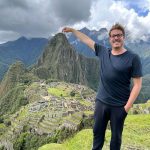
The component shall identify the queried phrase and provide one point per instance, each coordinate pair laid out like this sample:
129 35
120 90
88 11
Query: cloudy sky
42 18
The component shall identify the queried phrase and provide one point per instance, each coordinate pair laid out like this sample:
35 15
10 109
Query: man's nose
116 37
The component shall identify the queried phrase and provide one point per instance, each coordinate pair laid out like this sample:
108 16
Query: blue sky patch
140 6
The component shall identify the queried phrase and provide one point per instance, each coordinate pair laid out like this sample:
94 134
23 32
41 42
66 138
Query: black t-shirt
116 72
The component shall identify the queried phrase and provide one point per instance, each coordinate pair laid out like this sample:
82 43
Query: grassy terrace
63 90
135 136
58 92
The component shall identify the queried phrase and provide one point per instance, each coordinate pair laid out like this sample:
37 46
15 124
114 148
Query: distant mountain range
22 49
98 36
29 50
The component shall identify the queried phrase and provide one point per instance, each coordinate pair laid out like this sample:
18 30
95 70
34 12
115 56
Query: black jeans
103 113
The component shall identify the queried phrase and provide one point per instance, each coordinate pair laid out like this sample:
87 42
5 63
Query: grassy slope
136 135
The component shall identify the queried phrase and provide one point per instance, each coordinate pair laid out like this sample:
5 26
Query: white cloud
40 18
106 13
8 36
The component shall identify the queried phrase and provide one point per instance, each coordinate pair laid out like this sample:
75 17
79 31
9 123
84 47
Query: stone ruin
37 106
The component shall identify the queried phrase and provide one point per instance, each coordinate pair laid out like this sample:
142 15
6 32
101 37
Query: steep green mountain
23 49
12 87
60 60
12 77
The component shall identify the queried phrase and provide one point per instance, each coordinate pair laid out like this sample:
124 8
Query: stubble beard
116 48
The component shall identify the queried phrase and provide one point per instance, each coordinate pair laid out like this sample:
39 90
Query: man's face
116 39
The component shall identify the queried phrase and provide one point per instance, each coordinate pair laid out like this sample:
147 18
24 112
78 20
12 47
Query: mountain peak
55 47
22 38
61 36
85 30
58 38
103 30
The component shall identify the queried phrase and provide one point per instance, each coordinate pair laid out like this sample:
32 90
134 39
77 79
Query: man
114 98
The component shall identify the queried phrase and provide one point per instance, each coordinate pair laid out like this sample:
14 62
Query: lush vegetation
28 141
13 100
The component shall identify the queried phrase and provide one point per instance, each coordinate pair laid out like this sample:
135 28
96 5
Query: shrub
72 93
1 120
7 123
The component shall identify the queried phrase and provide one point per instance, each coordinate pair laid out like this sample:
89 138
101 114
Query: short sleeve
136 67
99 49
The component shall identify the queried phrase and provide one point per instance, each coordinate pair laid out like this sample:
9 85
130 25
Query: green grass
137 130
34 85
88 112
64 89
58 92
23 113
2 125
52 146
136 134
84 102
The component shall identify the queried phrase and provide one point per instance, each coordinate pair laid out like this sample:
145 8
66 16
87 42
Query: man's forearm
133 95
84 38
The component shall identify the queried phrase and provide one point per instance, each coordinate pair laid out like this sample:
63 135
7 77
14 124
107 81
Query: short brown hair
118 27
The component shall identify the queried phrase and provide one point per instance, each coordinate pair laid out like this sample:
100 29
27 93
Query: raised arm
84 38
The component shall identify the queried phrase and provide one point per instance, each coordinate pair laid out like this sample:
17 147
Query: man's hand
67 29
137 84
127 108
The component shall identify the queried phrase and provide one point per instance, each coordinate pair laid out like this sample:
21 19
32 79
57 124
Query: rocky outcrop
6 145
